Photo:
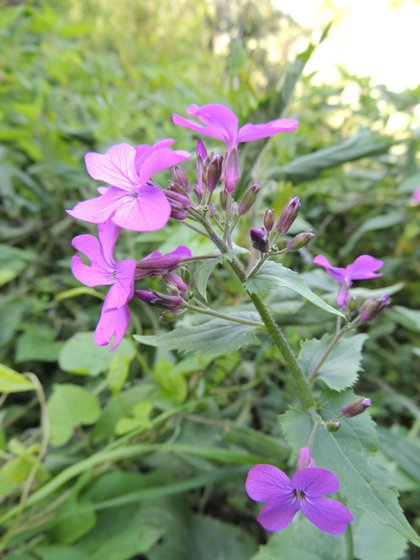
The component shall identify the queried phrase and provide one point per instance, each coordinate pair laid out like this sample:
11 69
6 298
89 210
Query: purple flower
104 270
284 497
363 268
221 123
130 201
113 322
157 264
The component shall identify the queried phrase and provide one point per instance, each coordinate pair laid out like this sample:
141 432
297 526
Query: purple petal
149 210
182 252
305 459
108 233
364 267
231 173
266 482
251 132
218 117
144 150
89 245
336 272
343 296
99 209
112 323
176 281
93 275
160 159
210 131
278 513
123 289
116 167
328 515
314 482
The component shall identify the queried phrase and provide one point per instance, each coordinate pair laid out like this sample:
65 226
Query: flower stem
349 542
231 318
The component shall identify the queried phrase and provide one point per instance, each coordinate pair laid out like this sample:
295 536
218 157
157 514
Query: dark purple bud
259 239
223 200
213 171
198 191
333 425
201 150
288 215
181 180
179 204
268 220
175 281
356 407
249 199
300 240
231 173
172 303
371 308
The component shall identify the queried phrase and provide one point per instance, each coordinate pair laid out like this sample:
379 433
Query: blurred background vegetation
80 76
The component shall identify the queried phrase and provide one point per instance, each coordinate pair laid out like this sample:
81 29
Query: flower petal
218 117
89 245
364 268
315 481
144 150
158 160
99 209
278 514
251 132
123 289
92 275
112 323
210 131
108 233
305 459
336 272
266 482
328 515
149 210
115 167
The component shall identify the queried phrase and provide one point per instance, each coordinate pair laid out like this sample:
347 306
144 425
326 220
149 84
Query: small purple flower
363 268
221 123
131 201
356 407
284 497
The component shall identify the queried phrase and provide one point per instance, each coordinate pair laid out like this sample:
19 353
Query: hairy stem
231 318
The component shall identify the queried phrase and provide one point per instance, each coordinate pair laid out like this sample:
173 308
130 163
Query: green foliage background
149 448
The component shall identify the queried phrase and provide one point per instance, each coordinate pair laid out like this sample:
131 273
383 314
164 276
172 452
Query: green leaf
214 337
37 344
274 275
341 368
141 418
13 382
203 274
52 552
302 541
72 521
408 318
70 406
364 485
12 262
81 356
401 450
376 541
118 372
392 218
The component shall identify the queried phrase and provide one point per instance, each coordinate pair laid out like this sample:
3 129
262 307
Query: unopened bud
213 171
259 239
179 204
356 407
305 459
223 199
288 215
352 304
300 240
181 179
268 220
249 199
171 303
333 425
231 173
372 307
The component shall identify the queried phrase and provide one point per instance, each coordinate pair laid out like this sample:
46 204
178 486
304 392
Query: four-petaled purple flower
221 123
131 200
363 268
284 497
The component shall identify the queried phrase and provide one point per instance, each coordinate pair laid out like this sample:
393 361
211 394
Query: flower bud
213 171
223 200
268 220
356 407
249 199
300 240
305 459
333 425
172 303
352 304
179 204
181 179
288 215
372 307
259 239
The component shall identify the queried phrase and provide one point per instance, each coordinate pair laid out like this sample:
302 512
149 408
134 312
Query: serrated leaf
303 541
376 541
341 368
275 275
81 356
213 337
13 382
364 485
203 274
70 406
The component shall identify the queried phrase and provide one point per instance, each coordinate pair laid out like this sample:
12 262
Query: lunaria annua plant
327 428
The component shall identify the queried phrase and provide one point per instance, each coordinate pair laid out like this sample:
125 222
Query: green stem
232 319
325 355
349 543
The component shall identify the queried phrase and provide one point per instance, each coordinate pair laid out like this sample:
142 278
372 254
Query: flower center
299 494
